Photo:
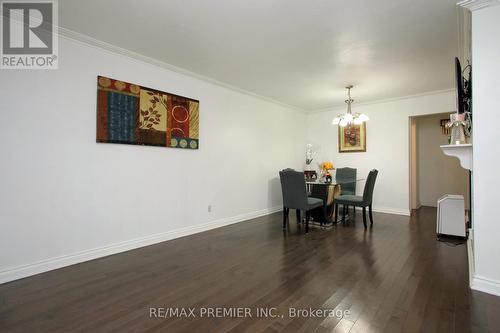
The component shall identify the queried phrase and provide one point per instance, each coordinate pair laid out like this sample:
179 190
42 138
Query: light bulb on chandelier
348 118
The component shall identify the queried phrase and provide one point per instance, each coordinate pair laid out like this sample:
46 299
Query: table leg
334 193
327 192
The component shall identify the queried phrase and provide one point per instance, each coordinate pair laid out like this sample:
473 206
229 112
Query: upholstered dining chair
346 177
293 188
359 201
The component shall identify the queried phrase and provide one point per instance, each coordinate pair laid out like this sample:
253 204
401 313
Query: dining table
327 191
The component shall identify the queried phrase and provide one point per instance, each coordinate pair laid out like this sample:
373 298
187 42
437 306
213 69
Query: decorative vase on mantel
458 124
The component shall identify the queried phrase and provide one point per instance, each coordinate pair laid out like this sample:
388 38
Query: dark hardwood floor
392 278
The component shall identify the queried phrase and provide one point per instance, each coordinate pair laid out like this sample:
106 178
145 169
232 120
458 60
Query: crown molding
478 4
95 43
99 44
386 100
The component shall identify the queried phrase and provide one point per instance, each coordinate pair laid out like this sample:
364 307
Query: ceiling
300 53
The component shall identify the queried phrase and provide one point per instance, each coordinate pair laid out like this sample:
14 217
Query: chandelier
348 118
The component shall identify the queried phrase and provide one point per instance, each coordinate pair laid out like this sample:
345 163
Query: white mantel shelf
462 152
478 4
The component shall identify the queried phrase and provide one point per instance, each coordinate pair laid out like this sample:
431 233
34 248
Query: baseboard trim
405 212
428 204
485 285
470 258
42 266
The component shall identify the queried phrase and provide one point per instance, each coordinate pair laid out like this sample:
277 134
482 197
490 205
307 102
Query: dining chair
293 188
346 177
359 201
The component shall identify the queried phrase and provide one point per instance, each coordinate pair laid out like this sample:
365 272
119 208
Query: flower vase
328 178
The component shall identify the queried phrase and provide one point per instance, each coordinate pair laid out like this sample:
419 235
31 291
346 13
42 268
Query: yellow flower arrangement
326 167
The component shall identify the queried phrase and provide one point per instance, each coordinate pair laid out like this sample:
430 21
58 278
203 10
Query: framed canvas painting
352 138
131 114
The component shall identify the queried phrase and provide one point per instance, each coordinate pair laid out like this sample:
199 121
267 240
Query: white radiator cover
451 216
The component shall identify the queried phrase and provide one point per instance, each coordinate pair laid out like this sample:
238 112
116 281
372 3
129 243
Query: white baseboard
470 258
476 282
428 204
405 212
485 285
23 271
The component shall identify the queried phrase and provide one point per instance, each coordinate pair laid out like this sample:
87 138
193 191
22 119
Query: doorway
433 174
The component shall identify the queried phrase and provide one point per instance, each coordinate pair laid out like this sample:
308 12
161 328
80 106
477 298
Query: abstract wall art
131 114
352 138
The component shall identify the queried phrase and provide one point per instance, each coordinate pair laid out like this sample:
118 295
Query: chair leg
307 222
343 214
285 216
297 212
364 216
371 215
336 213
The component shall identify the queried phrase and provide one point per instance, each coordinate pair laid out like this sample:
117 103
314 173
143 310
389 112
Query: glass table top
333 182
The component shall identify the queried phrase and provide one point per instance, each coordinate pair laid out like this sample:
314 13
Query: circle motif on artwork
193 144
177 132
120 85
173 142
104 82
183 143
180 114
134 89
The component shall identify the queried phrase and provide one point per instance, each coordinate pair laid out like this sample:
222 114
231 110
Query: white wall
64 198
387 144
486 157
438 174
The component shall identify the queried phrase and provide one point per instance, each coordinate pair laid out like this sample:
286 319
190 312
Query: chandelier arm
348 117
